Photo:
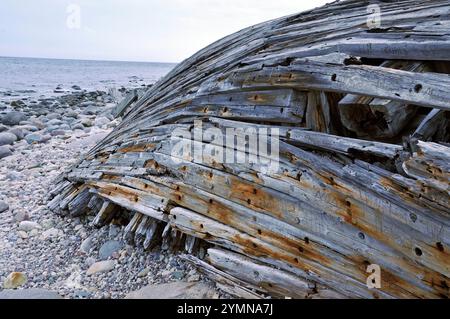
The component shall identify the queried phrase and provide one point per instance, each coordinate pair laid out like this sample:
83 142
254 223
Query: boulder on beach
28 127
175 290
14 280
7 138
18 132
58 89
101 121
5 152
32 293
13 118
18 103
58 132
101 266
87 122
109 248
78 126
27 225
37 138
54 121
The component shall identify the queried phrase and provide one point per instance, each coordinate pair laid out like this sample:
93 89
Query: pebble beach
43 255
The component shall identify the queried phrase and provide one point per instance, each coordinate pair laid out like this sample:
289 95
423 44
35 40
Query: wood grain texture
361 120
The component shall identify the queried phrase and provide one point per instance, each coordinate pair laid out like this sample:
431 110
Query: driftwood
362 177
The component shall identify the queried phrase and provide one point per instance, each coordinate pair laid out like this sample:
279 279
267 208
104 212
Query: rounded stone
14 118
5 152
109 248
3 206
7 138
14 280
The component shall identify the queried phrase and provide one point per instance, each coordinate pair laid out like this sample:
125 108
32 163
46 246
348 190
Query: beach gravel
65 256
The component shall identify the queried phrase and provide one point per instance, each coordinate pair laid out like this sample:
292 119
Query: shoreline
67 257
39 120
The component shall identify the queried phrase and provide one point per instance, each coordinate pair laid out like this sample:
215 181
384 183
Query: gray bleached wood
341 199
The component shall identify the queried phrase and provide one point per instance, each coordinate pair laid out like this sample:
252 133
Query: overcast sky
129 30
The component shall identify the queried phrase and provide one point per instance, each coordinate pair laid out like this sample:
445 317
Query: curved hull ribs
359 115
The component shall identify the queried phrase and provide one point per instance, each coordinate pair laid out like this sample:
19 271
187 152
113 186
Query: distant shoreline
87 60
45 75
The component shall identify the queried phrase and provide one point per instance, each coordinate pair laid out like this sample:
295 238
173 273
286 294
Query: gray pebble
5 151
7 138
37 138
109 248
14 118
3 206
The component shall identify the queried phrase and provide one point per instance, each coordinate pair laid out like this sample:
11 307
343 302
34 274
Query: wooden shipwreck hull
363 176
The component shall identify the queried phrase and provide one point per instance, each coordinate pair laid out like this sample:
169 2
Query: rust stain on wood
366 183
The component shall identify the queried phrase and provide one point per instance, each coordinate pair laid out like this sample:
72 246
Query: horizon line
84 59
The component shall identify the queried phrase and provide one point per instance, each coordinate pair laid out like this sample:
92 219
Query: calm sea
32 76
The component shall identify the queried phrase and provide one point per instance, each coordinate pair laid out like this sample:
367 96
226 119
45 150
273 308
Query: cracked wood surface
363 162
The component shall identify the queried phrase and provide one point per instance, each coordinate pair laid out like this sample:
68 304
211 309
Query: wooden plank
279 283
129 99
431 165
132 199
375 117
225 281
430 125
425 89
335 203
105 214
205 228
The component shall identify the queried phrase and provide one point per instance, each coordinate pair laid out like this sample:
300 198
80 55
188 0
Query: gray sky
131 30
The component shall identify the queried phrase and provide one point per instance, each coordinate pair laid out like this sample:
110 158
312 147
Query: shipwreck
359 95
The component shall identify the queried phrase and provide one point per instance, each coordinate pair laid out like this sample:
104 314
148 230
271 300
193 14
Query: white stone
27 225
51 233
101 266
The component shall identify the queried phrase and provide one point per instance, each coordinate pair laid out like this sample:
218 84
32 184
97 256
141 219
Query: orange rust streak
254 197
109 189
225 215
136 148
351 213
151 164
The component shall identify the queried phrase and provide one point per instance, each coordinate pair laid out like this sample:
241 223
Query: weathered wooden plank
132 199
319 140
377 117
132 227
208 229
129 99
105 214
279 283
225 281
335 203
342 145
426 89
431 165
429 125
